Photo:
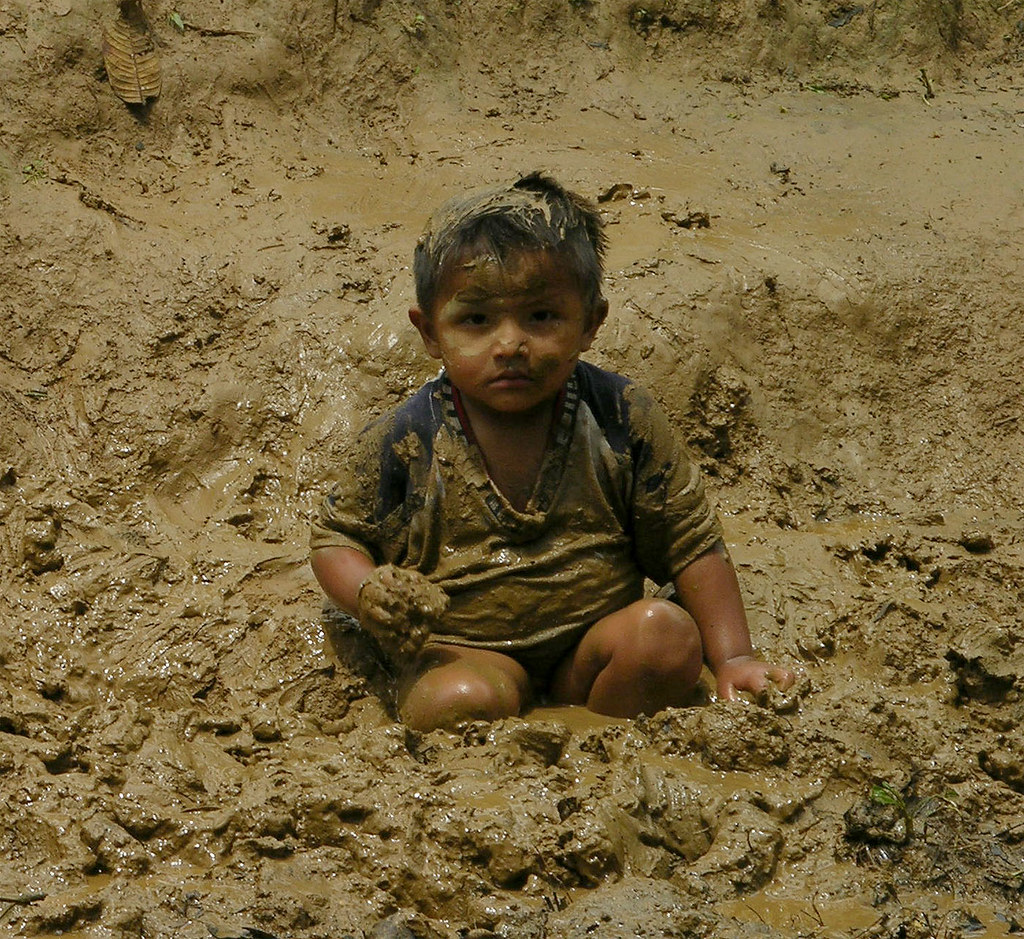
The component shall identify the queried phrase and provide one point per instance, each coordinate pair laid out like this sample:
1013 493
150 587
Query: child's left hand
745 673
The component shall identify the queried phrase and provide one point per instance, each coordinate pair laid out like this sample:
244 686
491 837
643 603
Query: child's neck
513 446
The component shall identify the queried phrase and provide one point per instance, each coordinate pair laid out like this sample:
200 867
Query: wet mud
815 266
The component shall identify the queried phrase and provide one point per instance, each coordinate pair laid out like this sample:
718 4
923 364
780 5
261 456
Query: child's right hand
400 608
745 673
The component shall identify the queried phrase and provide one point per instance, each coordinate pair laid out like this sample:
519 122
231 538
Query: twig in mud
755 912
25 899
863 932
928 92
816 822
93 201
213 31
817 912
883 611
89 198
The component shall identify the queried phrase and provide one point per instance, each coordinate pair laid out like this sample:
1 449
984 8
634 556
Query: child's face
509 335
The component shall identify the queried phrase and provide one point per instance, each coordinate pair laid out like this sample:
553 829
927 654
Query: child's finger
782 677
727 690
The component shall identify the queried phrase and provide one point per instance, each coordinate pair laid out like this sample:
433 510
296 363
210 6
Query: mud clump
741 738
643 907
39 550
1005 764
989 662
400 608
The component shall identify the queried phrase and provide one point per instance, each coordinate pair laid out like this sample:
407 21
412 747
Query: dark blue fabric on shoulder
604 393
420 415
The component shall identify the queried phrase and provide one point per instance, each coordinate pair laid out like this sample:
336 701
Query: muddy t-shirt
616 500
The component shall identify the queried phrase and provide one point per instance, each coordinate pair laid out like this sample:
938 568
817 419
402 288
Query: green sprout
416 25
884 794
34 171
913 809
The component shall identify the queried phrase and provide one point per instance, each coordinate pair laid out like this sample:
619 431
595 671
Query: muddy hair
533 213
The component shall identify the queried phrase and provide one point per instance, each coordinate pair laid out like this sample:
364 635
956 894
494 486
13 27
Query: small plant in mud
914 811
886 794
416 26
890 818
641 19
33 171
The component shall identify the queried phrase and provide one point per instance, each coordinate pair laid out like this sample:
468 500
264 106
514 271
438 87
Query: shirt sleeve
674 521
350 514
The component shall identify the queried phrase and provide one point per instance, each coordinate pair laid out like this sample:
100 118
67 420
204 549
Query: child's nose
511 339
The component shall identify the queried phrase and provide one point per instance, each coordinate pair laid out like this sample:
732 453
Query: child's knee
447 696
666 639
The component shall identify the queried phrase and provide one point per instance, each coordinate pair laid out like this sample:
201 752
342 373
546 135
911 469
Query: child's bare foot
400 608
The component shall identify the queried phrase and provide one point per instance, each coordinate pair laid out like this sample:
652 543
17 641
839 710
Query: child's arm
341 572
709 592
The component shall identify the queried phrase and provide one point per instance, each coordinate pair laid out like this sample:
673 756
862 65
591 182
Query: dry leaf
130 56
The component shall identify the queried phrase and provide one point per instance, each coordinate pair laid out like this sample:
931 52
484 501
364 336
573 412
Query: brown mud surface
815 212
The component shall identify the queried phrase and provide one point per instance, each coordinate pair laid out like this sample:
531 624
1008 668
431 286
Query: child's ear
598 314
425 327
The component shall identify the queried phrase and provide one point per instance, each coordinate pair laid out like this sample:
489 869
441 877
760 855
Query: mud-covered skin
400 608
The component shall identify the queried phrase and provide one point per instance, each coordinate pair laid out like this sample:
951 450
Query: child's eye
543 316
475 319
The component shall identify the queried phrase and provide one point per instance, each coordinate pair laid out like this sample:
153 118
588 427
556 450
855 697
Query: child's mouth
511 380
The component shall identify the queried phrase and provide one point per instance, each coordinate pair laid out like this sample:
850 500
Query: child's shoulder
421 411
602 384
598 380
403 433
618 403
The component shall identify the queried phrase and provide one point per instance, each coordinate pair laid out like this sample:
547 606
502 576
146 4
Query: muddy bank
814 265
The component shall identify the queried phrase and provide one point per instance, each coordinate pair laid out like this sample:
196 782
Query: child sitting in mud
494 532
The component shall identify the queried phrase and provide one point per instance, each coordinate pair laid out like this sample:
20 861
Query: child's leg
638 660
449 684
